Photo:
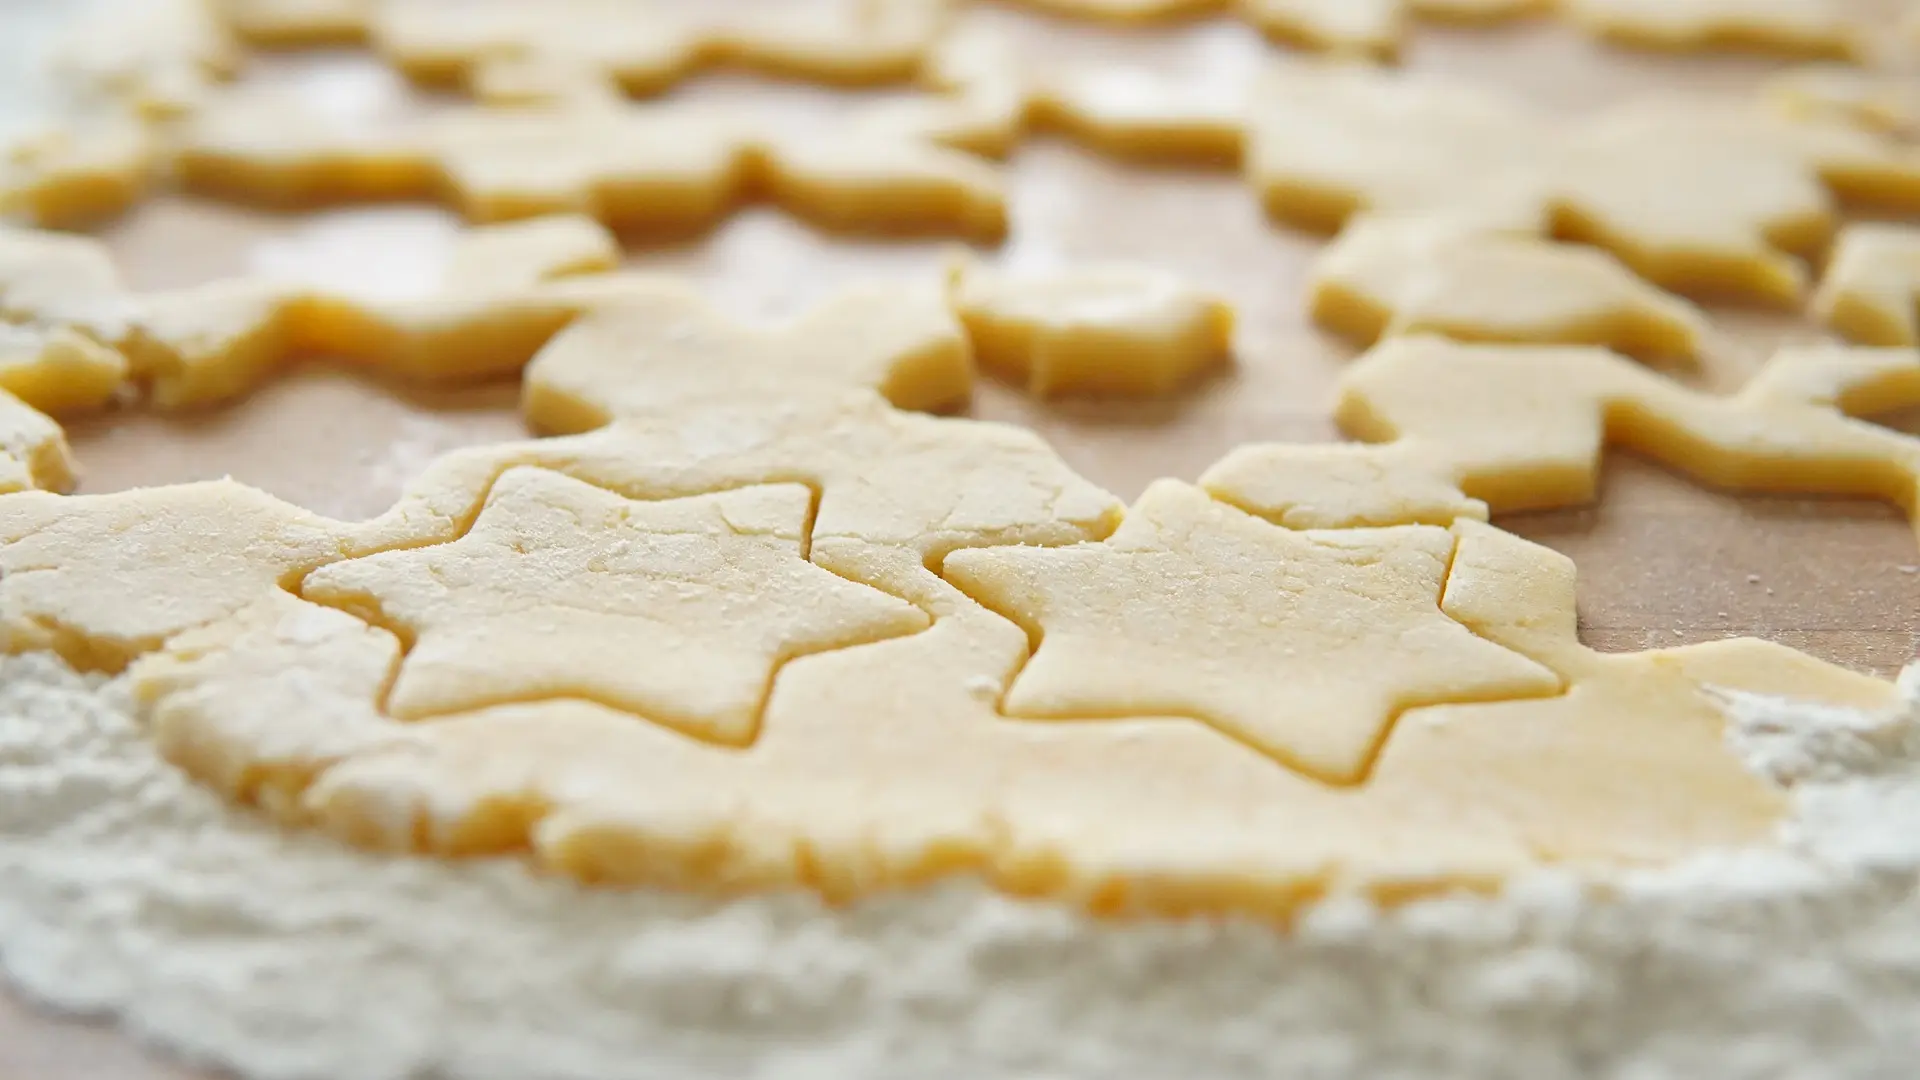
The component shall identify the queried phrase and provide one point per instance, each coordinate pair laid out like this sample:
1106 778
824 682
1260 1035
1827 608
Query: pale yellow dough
59 370
1627 768
161 58
1303 645
1875 100
77 175
1456 428
507 290
1809 28
1871 290
1718 200
679 611
1397 276
284 23
658 167
33 450
1116 330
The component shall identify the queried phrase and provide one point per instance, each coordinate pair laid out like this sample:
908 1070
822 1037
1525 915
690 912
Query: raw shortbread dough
1629 768
78 174
656 167
1389 276
58 370
1708 200
1106 329
160 58
289 23
33 449
1875 100
507 289
678 611
1810 28
645 47
1871 290
1327 141
101 579
1524 427
664 348
1303 645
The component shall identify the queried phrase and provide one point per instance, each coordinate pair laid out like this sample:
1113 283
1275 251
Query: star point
1303 645
681 610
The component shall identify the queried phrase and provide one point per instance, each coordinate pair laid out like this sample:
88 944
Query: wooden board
1662 562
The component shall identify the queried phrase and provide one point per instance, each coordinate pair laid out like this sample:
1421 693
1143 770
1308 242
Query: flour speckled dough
101 579
1302 645
1806 28
1452 425
161 58
1394 276
679 611
78 174
33 449
1099 813
1117 330
1871 290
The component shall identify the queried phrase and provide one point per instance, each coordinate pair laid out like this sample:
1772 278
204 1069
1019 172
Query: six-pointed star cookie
680 610
1305 645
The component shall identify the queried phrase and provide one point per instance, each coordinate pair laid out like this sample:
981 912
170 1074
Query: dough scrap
881 475
1524 427
1803 28
33 449
1193 608
681 611
1871 290
58 370
1354 27
1397 276
664 349
660 167
1121 330
1101 815
101 579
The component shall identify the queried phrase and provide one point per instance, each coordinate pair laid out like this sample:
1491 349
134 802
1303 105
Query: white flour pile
126 889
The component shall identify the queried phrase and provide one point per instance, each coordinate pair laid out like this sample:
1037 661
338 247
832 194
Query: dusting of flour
127 890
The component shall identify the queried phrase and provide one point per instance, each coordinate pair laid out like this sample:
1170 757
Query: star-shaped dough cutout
1303 645
680 611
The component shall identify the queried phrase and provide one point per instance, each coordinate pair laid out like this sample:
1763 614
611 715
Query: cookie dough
1302 645
1629 768
101 579
664 349
680 611
661 167
1877 101
59 370
1327 141
1396 276
298 23
33 449
159 58
881 475
77 175
1871 290
1805 28
1524 427
1120 330
507 289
